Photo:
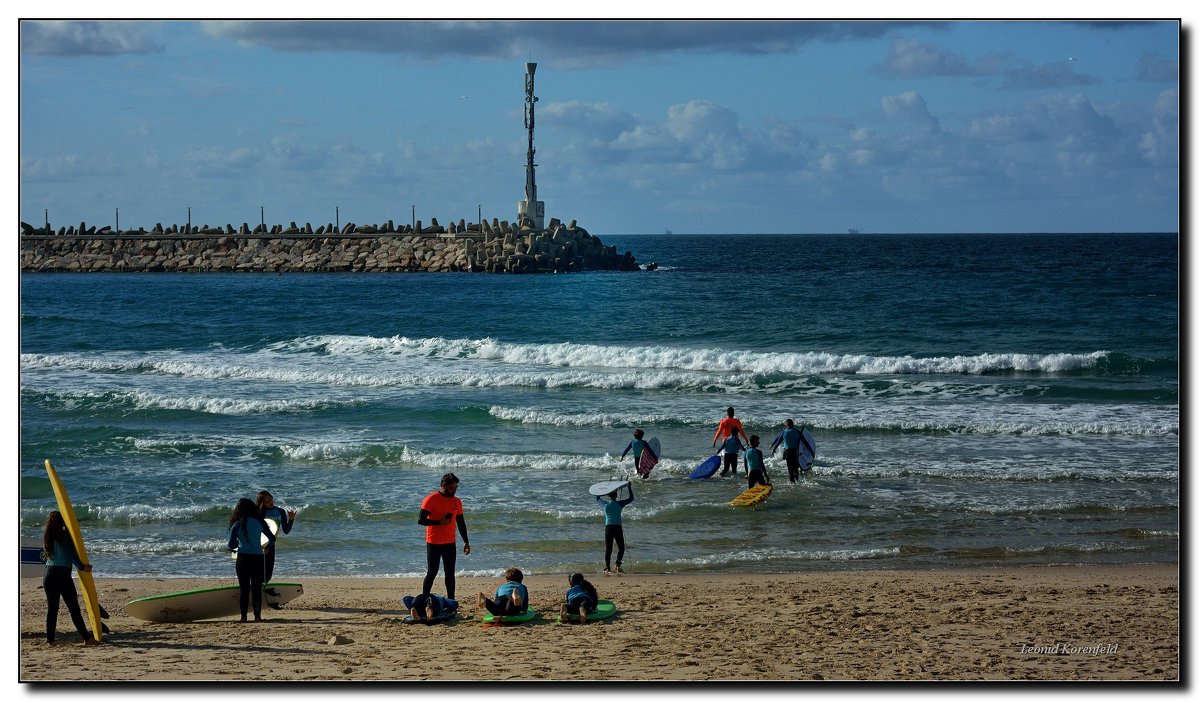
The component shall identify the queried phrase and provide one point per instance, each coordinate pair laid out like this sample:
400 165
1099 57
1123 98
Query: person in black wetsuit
57 584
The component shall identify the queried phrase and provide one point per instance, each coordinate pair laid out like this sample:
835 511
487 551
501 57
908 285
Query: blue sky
696 127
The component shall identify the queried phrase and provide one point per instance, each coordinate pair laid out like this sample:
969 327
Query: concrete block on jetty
497 246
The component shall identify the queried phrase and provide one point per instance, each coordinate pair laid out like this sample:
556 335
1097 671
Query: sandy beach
1036 623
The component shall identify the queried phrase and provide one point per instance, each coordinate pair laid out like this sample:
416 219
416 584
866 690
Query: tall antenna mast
530 210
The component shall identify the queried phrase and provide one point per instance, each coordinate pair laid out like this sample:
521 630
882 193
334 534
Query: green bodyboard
604 610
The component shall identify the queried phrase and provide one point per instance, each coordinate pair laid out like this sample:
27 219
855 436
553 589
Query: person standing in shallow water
730 426
57 584
790 438
638 446
246 529
613 531
440 512
267 508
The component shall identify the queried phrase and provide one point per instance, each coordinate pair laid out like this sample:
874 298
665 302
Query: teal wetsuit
756 471
613 532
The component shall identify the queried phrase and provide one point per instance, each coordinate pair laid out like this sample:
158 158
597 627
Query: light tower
531 210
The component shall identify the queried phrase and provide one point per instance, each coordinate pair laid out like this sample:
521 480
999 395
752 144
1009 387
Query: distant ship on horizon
852 230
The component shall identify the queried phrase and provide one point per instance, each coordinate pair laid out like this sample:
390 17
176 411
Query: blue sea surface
976 400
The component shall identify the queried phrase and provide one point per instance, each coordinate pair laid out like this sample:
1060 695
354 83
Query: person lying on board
511 597
426 608
581 599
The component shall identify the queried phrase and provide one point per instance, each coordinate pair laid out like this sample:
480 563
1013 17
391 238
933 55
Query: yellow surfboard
90 601
753 496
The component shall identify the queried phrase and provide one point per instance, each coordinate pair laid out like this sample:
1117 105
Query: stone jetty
490 247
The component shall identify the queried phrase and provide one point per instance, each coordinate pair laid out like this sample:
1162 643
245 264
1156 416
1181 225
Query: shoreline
1075 622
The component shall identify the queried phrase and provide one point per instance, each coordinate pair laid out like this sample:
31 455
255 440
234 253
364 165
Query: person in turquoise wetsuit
756 469
581 599
638 446
790 438
510 598
246 529
613 531
60 558
731 447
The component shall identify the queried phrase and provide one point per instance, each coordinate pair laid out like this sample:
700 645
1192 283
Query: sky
728 126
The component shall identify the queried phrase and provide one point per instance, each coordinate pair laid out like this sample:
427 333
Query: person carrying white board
246 530
285 520
790 438
613 531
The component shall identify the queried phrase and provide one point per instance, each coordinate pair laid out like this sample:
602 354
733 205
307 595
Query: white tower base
535 214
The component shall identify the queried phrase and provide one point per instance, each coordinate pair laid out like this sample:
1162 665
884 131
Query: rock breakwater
492 247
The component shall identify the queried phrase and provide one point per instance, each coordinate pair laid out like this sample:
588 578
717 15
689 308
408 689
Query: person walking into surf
246 531
756 469
614 533
269 510
731 447
440 512
638 446
60 557
790 439
729 426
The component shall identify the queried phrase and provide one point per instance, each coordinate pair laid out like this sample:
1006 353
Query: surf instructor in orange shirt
728 427
440 511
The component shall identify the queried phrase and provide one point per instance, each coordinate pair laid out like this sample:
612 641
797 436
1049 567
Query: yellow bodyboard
752 497
90 601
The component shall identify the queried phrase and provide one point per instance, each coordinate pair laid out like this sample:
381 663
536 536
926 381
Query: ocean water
976 400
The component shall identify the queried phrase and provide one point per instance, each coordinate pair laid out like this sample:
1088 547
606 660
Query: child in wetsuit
756 469
638 446
732 446
57 584
510 598
581 599
425 607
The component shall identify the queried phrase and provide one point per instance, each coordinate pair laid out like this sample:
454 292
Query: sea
977 400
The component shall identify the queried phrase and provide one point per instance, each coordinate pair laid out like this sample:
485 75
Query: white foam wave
777 554
154 547
1018 419
574 355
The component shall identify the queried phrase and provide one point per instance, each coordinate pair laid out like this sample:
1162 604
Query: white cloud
910 106
88 38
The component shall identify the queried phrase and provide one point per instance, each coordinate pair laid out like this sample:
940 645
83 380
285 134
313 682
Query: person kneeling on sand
511 596
581 599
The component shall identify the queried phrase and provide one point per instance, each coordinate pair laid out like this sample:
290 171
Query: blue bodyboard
707 468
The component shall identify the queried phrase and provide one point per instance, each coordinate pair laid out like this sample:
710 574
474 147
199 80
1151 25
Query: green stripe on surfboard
521 618
604 610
